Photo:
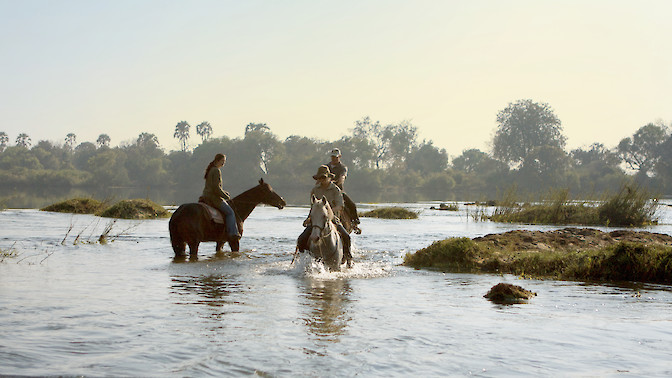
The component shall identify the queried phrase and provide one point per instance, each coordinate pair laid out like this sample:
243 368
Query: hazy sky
314 67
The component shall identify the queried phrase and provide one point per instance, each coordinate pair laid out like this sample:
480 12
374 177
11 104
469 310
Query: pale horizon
314 68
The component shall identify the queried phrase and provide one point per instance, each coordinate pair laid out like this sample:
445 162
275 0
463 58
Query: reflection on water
210 290
327 307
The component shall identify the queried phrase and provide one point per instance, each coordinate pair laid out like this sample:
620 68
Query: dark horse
190 223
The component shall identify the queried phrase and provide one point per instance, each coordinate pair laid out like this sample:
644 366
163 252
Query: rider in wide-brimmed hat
323 171
324 187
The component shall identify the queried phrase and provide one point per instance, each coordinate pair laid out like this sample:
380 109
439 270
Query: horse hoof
349 264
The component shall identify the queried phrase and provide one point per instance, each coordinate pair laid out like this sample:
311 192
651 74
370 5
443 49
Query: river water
72 306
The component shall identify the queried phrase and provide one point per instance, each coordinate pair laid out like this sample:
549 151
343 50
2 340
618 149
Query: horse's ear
324 199
261 181
313 199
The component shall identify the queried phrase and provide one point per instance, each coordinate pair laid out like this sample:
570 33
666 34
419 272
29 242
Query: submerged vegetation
77 206
629 207
569 254
135 209
390 213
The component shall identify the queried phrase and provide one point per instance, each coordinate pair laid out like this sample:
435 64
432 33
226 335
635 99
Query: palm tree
103 140
70 140
23 140
4 139
182 133
204 130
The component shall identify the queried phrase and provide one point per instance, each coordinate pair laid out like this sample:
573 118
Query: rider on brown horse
215 196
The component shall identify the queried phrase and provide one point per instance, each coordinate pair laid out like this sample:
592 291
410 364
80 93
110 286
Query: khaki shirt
332 193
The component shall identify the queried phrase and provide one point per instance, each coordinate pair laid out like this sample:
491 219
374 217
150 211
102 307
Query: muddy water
71 306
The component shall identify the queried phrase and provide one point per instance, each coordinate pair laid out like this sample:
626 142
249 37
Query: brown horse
190 224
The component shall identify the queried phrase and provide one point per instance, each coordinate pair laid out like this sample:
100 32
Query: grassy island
568 254
77 206
390 213
135 209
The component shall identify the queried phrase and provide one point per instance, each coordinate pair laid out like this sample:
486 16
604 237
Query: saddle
213 213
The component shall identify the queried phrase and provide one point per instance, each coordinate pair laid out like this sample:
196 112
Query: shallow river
72 306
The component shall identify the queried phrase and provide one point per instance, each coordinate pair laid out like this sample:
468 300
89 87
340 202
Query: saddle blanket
213 213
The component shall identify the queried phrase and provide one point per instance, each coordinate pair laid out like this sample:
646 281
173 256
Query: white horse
325 241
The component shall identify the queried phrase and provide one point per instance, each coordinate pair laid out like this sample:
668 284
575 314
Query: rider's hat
323 171
336 152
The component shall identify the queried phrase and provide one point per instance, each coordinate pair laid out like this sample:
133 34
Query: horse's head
321 215
270 197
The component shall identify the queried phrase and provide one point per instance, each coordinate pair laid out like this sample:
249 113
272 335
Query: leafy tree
18 157
641 152
524 126
596 152
70 141
83 153
663 167
378 137
261 143
403 141
48 155
147 140
108 168
357 150
204 130
23 140
597 168
182 134
103 140
4 140
427 159
470 161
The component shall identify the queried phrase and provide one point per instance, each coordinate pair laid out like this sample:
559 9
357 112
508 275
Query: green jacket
213 192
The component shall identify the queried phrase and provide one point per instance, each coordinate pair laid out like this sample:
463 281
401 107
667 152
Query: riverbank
566 254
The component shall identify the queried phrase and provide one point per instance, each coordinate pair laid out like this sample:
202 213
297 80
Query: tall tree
262 142
103 140
147 140
182 134
524 126
4 140
70 141
23 140
426 159
641 152
378 136
204 129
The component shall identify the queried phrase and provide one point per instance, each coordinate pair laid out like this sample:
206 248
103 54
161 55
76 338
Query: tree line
385 161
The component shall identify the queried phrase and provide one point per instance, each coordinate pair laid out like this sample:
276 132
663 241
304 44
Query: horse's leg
193 248
234 243
220 245
179 248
